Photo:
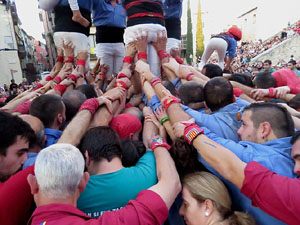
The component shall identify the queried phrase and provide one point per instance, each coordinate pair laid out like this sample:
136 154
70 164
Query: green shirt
112 191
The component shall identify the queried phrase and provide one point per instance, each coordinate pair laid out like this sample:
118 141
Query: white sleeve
48 5
73 5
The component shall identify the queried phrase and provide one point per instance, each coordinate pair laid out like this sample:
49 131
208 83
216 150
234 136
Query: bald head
135 112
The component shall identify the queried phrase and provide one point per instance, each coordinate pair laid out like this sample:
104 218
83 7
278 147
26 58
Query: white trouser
79 41
111 54
173 43
218 44
152 29
73 5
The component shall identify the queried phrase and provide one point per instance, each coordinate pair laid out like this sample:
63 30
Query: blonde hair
204 185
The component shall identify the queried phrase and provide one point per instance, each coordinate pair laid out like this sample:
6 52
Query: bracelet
121 75
81 62
103 75
121 84
142 55
272 93
61 88
69 60
48 78
162 54
169 101
127 59
164 119
237 92
189 76
57 79
159 142
38 86
155 81
60 59
91 105
73 77
179 60
191 132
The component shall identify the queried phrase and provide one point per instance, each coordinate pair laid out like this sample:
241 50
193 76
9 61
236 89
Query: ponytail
240 218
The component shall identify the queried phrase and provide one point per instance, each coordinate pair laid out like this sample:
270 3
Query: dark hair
295 137
10 97
185 158
218 92
292 61
101 143
170 86
264 80
268 61
191 92
46 108
132 151
279 118
72 99
295 102
242 78
12 127
212 70
88 90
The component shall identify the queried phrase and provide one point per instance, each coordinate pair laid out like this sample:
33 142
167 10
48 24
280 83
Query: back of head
135 111
58 170
218 92
191 92
204 185
132 151
72 99
276 115
212 70
242 78
12 127
88 90
170 86
264 80
101 143
46 108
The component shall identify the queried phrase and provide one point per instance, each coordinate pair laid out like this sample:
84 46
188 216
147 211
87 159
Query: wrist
142 55
61 88
155 81
189 76
169 101
69 59
163 120
159 142
91 105
191 132
272 93
127 59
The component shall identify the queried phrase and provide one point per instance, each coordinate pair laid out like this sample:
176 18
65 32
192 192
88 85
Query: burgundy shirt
277 195
148 208
287 77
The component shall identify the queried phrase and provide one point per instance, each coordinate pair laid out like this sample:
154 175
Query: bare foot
78 18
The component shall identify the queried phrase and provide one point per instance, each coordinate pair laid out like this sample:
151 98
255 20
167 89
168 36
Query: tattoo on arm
210 144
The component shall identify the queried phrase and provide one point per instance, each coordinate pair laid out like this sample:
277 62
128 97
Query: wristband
191 132
163 120
179 60
60 59
49 78
128 105
81 62
237 92
121 75
102 75
272 93
159 142
61 88
73 77
127 59
121 84
169 101
69 60
155 81
189 76
91 105
57 79
162 54
142 55
38 86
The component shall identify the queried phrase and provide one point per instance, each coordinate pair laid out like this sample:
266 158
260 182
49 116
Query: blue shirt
172 8
231 49
31 157
52 136
104 14
274 155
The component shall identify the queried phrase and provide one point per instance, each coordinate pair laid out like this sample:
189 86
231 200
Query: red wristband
142 55
272 93
128 105
102 75
159 142
81 62
237 92
121 84
61 88
162 54
69 60
57 79
179 60
189 76
60 59
73 77
121 75
169 101
155 81
91 104
38 86
127 59
49 78
191 132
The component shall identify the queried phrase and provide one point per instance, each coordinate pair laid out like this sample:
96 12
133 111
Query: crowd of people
151 142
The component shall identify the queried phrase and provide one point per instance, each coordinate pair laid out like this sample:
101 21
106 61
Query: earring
206 213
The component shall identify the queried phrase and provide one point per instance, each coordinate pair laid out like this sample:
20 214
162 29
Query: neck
104 167
41 200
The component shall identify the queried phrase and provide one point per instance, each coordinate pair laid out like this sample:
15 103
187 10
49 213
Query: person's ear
266 129
130 136
60 118
209 207
34 187
83 182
